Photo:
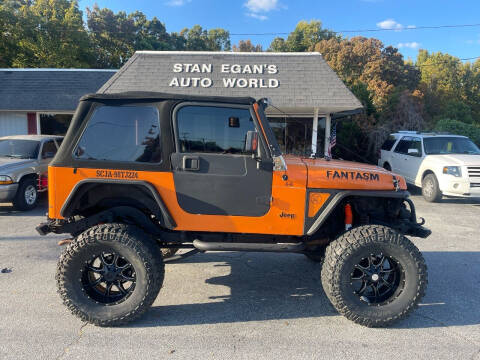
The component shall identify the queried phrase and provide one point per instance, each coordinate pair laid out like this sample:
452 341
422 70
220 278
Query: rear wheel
27 195
374 276
110 274
430 189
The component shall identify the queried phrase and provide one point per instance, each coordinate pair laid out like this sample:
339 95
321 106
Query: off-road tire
342 254
430 189
127 240
19 202
169 252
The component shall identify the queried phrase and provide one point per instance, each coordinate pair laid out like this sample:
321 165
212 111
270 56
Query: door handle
191 163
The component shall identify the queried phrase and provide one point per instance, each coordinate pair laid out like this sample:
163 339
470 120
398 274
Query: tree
247 46
44 33
366 60
278 45
451 87
303 38
199 39
10 31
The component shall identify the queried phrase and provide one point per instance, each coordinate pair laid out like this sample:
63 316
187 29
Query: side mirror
413 152
251 142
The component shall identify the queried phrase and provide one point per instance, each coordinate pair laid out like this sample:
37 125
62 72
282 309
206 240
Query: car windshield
19 149
450 145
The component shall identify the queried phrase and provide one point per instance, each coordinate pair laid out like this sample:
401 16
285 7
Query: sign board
199 75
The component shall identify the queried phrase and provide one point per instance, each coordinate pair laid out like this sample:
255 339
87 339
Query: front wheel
27 195
110 274
430 188
374 276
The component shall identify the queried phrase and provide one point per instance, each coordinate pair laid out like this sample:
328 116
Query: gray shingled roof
48 89
305 81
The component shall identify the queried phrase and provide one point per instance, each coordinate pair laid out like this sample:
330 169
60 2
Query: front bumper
8 192
454 186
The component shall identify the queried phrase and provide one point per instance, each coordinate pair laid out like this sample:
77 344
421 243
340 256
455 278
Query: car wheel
27 195
430 189
110 274
387 166
373 275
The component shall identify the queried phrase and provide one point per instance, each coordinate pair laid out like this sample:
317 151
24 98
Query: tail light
42 182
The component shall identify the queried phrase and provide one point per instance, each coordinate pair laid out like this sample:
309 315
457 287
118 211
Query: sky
281 16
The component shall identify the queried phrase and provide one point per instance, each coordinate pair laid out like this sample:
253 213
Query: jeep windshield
19 149
450 145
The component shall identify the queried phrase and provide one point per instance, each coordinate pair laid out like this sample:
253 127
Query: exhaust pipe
252 247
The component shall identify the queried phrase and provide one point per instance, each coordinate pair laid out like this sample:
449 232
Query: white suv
441 164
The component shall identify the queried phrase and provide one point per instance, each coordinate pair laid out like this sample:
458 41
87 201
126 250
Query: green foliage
303 38
360 90
43 33
459 128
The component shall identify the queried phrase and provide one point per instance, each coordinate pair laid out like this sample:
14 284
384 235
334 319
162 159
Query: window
55 124
294 135
210 129
49 149
122 133
20 149
408 142
450 145
388 144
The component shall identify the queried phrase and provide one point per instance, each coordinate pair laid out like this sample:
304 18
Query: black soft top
149 95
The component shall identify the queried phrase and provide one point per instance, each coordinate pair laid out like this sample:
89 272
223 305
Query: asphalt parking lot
244 305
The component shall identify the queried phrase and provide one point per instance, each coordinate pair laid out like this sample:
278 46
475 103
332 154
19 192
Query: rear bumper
8 192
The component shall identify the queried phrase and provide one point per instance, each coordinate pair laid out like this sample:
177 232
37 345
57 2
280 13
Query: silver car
23 167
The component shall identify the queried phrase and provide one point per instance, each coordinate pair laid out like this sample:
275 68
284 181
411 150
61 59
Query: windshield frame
456 138
32 153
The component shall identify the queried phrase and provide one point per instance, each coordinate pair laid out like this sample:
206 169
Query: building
305 92
42 101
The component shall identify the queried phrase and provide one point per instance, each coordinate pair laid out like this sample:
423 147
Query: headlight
453 170
5 180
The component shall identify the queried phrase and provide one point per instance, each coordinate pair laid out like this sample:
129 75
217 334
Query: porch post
314 132
328 123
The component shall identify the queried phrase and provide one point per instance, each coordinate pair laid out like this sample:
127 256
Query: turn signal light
5 180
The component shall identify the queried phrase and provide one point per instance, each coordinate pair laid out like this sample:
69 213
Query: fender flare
337 196
167 218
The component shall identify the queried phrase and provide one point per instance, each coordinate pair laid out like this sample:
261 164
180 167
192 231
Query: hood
348 175
8 164
456 159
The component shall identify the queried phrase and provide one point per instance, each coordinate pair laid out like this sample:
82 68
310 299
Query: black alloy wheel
374 275
110 274
108 278
376 278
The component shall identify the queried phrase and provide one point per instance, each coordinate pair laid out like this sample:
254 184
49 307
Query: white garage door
13 123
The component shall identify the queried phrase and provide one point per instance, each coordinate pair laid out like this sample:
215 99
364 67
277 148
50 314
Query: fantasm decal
117 174
352 175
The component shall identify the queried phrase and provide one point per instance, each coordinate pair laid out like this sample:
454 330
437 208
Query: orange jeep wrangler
141 175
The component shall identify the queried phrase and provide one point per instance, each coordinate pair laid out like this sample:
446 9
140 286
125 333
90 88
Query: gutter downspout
314 133
328 126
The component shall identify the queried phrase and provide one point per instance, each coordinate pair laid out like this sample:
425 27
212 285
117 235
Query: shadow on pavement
7 209
288 287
